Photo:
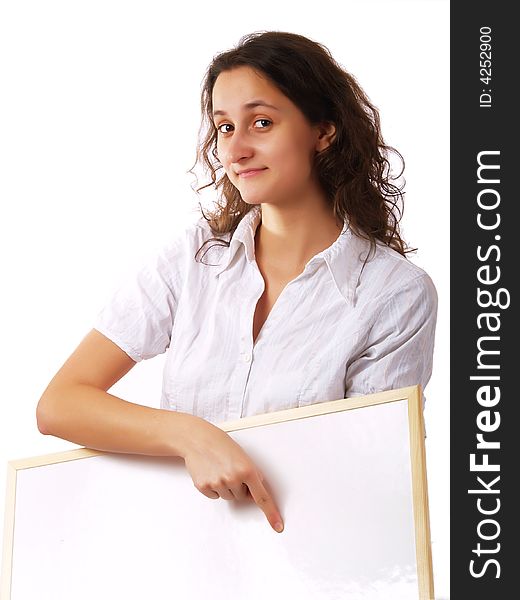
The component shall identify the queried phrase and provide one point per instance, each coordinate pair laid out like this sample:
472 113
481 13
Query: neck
289 236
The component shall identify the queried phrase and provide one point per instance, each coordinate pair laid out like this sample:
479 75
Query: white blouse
337 330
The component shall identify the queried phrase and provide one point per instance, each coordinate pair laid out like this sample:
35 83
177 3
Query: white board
348 477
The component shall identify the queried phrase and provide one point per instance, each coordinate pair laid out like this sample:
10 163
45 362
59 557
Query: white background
99 114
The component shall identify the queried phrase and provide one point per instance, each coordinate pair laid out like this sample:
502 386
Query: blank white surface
116 526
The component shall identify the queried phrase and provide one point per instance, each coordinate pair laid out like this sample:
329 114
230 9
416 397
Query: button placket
245 346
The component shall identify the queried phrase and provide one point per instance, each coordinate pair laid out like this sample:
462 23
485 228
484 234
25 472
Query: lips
250 172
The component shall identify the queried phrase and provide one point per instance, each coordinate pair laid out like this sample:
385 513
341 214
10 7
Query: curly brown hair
354 171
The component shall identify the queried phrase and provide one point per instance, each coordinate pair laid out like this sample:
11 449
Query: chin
251 200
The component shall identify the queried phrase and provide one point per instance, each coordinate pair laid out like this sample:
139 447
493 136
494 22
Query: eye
219 130
264 121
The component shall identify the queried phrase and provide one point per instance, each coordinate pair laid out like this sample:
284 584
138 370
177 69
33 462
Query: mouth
250 172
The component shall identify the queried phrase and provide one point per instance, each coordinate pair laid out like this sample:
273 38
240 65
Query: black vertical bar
484 392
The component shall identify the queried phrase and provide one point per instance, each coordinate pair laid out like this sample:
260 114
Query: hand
220 468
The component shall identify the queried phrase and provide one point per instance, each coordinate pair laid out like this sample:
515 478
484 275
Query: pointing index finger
265 502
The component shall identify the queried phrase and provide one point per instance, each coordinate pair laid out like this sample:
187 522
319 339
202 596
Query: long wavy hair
354 170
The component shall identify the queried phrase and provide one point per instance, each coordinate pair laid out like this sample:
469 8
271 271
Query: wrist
178 432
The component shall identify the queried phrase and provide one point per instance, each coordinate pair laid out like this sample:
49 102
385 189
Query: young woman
295 290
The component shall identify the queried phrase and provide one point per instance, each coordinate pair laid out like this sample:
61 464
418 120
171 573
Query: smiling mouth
250 173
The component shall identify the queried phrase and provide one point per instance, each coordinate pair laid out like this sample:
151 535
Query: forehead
240 85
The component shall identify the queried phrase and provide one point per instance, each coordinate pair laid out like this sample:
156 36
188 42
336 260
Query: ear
326 135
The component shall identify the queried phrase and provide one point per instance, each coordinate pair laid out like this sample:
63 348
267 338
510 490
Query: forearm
91 417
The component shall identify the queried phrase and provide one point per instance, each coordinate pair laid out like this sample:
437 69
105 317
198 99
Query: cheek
222 158
296 157
220 153
298 145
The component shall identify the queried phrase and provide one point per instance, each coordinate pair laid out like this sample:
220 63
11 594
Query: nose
238 147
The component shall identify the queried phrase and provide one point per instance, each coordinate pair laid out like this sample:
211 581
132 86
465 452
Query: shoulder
388 274
192 246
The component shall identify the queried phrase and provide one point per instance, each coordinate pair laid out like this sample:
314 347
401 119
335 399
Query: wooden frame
417 461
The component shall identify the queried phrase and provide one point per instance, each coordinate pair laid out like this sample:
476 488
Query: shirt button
247 357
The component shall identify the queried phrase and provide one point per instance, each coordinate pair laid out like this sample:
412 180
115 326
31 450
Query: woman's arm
77 407
399 346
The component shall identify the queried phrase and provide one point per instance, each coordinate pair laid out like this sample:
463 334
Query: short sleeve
398 351
140 314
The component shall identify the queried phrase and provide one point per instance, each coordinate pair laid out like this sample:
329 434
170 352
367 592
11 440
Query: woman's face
264 142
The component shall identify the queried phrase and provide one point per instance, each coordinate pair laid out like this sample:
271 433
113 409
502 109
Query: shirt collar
344 258
244 235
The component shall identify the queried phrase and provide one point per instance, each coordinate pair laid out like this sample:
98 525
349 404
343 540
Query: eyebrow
249 106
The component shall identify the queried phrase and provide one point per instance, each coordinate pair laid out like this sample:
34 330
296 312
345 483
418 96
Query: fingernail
278 527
